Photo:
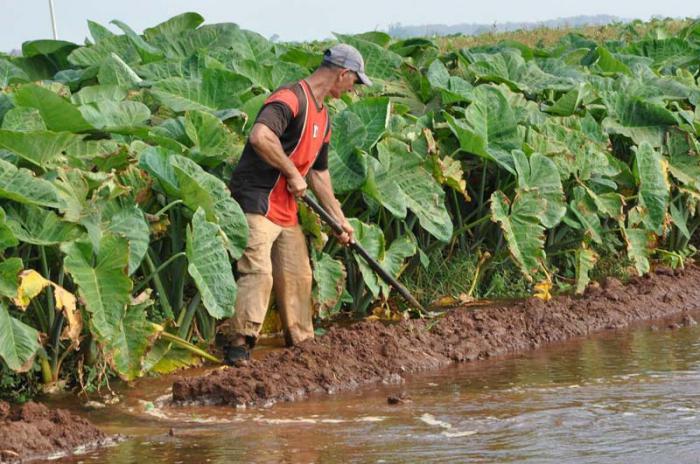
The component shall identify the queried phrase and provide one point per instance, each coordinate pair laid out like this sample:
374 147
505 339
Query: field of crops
118 233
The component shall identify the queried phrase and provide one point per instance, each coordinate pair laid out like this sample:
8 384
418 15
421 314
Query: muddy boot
235 353
232 348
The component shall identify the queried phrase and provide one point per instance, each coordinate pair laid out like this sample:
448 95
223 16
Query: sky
308 19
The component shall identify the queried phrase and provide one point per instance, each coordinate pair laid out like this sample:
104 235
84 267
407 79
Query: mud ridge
369 352
33 431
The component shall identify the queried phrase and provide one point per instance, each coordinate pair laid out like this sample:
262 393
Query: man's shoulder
292 94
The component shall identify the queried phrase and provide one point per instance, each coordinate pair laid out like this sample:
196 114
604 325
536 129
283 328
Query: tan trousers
275 257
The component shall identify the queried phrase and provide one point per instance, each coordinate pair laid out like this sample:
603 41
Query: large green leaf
654 189
11 74
174 26
400 182
39 226
58 113
522 230
453 89
217 89
489 128
349 166
23 119
270 76
585 261
128 346
114 71
683 156
567 104
607 63
669 51
509 67
358 127
53 52
639 119
72 189
586 214
212 141
210 267
5 105
130 223
115 116
187 42
199 189
18 342
379 62
638 248
99 93
95 55
7 237
190 67
102 281
329 280
165 358
156 161
146 51
22 186
98 31
9 270
249 45
41 148
392 259
539 183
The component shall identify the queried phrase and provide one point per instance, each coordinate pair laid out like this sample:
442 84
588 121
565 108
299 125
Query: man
287 146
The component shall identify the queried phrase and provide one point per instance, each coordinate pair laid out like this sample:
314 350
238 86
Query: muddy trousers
276 258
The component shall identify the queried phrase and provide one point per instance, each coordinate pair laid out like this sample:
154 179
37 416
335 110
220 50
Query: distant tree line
399 30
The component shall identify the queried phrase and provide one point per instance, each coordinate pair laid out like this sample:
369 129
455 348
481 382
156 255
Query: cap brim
364 79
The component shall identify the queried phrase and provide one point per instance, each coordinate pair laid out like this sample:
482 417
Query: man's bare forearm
320 182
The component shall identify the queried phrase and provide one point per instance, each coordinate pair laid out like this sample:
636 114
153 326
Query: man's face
344 82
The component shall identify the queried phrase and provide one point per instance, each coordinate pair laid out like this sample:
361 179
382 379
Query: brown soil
32 431
369 352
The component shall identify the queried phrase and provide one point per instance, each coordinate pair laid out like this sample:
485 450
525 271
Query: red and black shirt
304 130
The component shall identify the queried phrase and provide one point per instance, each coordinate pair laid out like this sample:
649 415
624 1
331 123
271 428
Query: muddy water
630 396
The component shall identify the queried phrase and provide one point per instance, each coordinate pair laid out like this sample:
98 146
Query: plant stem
49 290
56 342
153 274
186 316
165 208
177 275
46 374
175 340
466 227
162 294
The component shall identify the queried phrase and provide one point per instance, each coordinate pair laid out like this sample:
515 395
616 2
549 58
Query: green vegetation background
477 167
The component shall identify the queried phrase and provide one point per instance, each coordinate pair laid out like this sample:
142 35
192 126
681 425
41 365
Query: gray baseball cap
346 56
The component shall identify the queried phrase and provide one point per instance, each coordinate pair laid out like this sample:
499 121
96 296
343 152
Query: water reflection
618 397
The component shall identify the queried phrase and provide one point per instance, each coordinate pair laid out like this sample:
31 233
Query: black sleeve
276 116
321 163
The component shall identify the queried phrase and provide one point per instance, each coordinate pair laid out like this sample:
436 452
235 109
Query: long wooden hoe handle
359 249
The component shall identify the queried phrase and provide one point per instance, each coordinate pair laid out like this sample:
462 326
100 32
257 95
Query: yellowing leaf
31 284
66 302
141 298
445 301
543 290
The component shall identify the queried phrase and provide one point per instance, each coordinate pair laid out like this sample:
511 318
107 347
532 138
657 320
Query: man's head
347 67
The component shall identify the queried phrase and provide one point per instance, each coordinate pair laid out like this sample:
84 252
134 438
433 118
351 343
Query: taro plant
118 235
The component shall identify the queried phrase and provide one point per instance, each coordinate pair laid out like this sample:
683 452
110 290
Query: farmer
287 147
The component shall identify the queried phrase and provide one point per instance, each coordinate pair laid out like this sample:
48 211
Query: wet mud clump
33 431
369 352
